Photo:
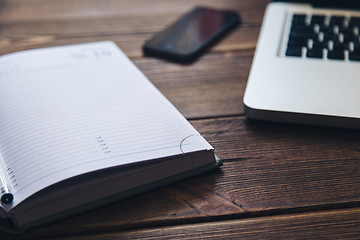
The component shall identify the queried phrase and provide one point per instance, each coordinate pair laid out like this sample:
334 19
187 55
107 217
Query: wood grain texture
41 23
174 204
278 180
269 169
279 166
213 86
339 224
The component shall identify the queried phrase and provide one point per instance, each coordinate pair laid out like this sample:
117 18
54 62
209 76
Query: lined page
69 110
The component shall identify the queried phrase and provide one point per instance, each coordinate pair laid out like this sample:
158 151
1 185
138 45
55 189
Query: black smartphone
194 32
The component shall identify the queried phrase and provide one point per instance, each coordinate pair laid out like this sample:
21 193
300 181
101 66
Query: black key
354 56
337 20
354 22
294 51
356 42
330 36
319 45
317 19
346 30
297 42
340 45
347 37
314 53
327 32
326 29
299 18
303 35
298 36
298 25
336 54
302 28
302 32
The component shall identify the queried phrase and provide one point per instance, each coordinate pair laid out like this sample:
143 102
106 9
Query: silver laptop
306 67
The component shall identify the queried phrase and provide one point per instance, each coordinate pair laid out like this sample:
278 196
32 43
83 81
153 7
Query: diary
81 126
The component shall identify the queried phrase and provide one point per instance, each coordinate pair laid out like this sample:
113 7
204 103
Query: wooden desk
278 180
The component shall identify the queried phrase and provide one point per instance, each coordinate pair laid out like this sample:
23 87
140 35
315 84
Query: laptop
306 67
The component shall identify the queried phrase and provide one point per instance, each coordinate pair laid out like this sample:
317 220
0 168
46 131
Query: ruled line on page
68 119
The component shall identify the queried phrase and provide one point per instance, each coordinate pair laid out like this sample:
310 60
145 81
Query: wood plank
68 9
171 204
213 86
269 169
279 166
42 23
339 224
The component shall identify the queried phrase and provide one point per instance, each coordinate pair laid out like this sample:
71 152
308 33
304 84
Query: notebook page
69 110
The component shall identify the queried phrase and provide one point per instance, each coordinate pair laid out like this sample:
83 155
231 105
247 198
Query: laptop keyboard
324 37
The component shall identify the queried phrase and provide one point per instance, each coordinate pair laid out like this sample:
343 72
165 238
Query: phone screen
192 33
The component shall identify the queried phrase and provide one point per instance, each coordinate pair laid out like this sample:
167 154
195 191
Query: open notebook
80 124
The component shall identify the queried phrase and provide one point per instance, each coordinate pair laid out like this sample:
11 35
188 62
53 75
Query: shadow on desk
190 198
